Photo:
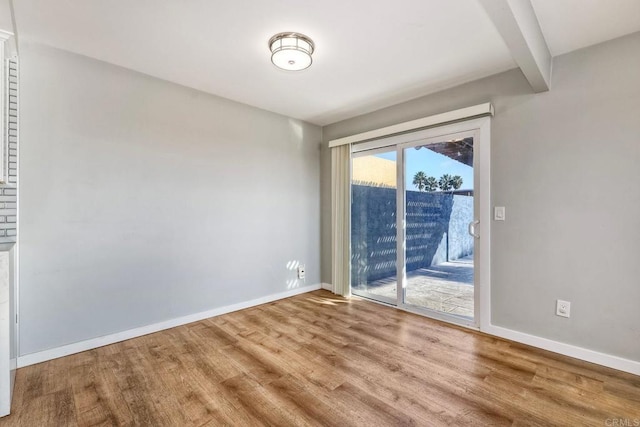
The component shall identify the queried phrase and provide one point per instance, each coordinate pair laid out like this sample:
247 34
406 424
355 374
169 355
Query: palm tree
431 184
445 182
419 180
456 182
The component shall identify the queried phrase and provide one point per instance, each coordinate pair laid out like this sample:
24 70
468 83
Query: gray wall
565 165
142 200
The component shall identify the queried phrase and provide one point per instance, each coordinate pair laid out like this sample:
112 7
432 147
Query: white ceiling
573 24
369 54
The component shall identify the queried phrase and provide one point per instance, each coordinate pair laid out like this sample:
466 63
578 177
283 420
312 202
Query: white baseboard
581 353
90 344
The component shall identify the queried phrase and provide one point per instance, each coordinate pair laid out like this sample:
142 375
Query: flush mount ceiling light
291 51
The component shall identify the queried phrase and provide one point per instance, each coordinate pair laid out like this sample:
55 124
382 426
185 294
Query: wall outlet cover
563 308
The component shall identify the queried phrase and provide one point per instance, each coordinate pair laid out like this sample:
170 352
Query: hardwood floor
317 359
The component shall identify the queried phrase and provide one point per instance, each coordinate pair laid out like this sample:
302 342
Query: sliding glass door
439 208
414 223
373 225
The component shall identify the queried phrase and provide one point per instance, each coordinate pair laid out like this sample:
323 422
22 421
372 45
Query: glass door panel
373 225
439 208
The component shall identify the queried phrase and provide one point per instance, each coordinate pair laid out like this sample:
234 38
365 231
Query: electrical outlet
563 308
301 271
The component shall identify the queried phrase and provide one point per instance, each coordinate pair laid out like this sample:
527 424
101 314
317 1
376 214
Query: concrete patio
446 287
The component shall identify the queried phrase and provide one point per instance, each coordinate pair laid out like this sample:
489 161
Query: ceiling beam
517 23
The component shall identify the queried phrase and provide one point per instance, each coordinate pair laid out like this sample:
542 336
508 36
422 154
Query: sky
432 164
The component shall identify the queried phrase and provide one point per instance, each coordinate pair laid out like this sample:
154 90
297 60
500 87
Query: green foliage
430 183
456 182
419 180
445 182
450 183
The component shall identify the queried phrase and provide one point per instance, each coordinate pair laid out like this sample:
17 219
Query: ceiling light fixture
291 51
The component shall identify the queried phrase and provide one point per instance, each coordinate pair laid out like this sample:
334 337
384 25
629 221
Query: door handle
472 229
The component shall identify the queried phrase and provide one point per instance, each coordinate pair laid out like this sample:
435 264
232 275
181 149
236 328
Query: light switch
498 213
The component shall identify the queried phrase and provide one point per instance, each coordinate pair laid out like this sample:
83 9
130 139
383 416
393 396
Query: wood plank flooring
316 359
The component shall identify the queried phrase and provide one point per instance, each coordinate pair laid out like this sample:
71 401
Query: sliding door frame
480 128
401 235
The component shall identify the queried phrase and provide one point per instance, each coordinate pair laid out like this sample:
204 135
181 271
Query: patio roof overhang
460 150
